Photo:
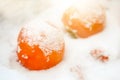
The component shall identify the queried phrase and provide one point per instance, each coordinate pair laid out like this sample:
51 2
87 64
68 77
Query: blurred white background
18 11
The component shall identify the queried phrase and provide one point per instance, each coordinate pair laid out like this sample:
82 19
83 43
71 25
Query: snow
89 12
47 37
7 74
77 51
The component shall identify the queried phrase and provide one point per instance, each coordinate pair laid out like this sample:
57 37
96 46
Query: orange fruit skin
78 25
36 57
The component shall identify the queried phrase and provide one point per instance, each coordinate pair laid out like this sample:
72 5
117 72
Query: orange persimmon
40 46
84 21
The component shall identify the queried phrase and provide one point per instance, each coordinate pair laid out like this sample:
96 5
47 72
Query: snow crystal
18 49
25 56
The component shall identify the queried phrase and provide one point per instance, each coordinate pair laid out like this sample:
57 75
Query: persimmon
84 21
40 46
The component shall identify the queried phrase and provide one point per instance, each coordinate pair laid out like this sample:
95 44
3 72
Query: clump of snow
47 37
89 13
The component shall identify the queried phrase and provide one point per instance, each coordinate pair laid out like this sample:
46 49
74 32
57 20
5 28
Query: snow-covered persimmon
84 20
40 46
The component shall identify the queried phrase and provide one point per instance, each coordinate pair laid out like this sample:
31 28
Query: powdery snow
89 12
40 33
